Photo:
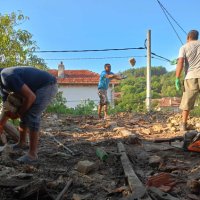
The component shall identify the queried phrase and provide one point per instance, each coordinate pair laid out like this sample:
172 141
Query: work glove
178 84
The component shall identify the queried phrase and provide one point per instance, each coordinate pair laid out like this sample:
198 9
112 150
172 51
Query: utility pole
148 95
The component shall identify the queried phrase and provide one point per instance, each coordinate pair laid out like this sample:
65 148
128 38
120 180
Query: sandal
25 159
17 146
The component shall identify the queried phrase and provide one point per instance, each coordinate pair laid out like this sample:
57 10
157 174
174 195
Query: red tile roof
77 77
170 102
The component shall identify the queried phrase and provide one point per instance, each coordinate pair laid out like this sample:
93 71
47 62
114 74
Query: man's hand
178 84
12 115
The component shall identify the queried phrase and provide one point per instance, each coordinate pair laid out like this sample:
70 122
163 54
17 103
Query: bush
58 106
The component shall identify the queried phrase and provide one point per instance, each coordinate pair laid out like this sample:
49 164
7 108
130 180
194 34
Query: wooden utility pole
148 95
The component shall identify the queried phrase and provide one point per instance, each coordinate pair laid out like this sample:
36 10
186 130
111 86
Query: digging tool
11 105
61 144
191 141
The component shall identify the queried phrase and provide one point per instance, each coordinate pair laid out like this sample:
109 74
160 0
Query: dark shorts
44 96
103 97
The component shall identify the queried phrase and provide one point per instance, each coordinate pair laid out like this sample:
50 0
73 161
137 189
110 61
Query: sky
105 24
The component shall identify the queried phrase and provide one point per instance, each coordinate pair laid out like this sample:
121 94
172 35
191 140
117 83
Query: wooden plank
9 183
62 193
137 188
11 130
32 191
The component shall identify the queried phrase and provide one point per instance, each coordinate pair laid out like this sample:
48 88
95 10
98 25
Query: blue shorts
32 117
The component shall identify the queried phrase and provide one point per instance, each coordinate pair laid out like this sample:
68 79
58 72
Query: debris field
129 156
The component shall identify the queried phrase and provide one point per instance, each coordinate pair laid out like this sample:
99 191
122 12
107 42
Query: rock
197 125
163 181
156 193
157 128
173 128
125 133
133 139
193 197
111 125
86 166
154 161
146 131
6 171
194 186
118 129
81 196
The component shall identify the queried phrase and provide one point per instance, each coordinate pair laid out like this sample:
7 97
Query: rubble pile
83 158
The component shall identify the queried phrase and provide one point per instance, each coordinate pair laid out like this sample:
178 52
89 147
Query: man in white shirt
189 60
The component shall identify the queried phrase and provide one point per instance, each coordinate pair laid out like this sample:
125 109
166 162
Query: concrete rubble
162 169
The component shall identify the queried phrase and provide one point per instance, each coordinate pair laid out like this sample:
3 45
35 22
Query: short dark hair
107 64
193 34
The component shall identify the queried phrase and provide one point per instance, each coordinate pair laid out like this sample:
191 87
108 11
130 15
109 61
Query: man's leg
99 111
183 125
185 115
22 135
33 149
105 111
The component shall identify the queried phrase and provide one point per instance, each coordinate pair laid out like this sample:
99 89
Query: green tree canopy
16 44
133 89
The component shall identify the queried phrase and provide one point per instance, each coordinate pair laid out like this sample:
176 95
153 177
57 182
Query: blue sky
100 24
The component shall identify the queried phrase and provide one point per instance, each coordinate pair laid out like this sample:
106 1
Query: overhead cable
172 18
165 13
88 50
95 58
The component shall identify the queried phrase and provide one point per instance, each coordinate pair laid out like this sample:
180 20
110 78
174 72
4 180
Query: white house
78 86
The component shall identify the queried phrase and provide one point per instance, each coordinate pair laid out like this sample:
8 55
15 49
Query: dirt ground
106 180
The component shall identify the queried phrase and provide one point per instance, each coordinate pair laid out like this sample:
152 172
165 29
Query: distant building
79 85
168 103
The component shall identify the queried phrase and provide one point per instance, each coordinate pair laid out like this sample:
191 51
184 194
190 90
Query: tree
16 44
133 89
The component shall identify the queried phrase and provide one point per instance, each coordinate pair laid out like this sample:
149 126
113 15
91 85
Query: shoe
183 126
27 160
17 147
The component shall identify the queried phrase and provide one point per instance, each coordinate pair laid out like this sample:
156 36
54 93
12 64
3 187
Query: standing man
103 85
189 59
36 88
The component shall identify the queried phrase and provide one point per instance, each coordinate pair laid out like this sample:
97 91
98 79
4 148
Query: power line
173 18
165 13
114 57
89 50
161 57
95 58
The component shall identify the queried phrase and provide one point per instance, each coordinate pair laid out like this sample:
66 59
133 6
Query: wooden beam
61 195
137 188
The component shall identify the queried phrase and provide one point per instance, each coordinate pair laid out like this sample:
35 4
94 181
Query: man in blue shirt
103 85
36 88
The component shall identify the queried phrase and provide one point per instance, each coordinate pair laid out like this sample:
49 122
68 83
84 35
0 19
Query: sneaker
183 126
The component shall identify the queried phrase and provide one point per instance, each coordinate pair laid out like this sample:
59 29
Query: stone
86 166
193 197
156 193
173 128
157 128
154 161
193 186
163 181
81 196
146 131
111 125
197 125
133 139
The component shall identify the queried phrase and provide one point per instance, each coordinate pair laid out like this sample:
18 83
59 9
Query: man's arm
179 67
28 99
114 76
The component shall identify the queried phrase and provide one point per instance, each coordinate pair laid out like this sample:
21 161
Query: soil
83 135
